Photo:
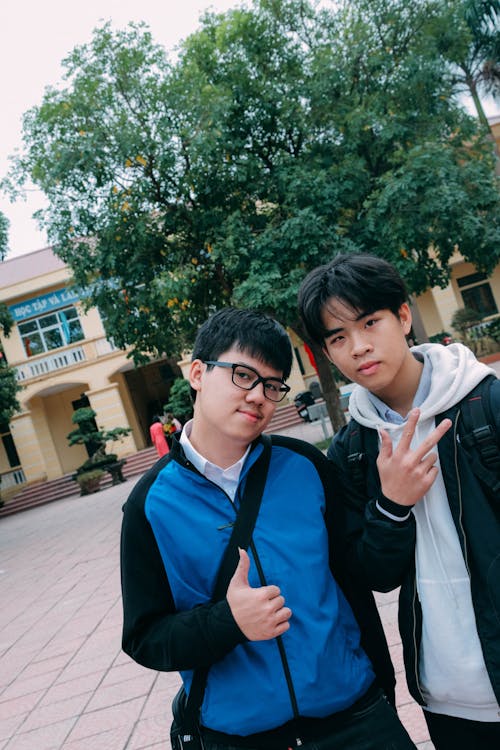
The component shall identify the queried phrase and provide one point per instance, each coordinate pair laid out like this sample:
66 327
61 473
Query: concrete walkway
64 682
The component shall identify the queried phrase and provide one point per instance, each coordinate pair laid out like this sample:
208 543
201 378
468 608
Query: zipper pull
225 526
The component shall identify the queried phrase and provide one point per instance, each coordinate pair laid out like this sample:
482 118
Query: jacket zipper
415 645
262 578
279 641
459 484
462 530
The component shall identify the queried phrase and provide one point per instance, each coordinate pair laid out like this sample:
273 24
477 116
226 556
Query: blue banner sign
43 304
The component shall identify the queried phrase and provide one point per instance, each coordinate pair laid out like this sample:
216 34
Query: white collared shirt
226 479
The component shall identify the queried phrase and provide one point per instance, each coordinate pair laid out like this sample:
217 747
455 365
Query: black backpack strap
240 537
479 436
356 456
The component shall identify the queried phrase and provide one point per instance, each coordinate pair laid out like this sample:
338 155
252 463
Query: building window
50 331
477 295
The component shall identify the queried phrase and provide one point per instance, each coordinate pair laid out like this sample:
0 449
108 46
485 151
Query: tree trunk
327 381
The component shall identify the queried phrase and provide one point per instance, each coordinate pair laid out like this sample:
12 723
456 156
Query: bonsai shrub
492 329
463 319
87 433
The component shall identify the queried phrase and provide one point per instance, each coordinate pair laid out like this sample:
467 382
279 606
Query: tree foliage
4 230
179 401
9 386
281 134
469 40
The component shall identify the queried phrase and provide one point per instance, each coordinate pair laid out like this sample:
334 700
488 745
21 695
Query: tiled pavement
64 682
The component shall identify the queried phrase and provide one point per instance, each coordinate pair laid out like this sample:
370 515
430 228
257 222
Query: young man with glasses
295 652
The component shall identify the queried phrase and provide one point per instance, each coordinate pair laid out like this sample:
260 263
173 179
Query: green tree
4 230
473 52
282 134
8 384
8 391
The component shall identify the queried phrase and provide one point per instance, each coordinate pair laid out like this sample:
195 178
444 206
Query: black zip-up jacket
147 605
382 551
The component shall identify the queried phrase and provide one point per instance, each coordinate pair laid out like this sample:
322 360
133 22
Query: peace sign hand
406 474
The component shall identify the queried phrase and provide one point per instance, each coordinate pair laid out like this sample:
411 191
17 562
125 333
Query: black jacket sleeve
380 550
154 633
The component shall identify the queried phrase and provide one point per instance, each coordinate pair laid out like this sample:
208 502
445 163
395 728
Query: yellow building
467 287
63 360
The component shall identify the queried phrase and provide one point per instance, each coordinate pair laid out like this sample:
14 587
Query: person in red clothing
158 436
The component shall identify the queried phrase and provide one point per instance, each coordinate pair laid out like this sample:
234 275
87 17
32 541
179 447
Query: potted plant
89 481
87 433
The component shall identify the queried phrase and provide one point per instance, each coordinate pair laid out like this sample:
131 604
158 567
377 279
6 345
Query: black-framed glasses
247 378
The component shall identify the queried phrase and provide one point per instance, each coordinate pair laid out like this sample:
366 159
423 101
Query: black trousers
450 733
375 726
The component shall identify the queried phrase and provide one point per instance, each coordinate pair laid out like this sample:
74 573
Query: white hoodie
453 676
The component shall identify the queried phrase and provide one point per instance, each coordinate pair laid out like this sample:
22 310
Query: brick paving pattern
65 684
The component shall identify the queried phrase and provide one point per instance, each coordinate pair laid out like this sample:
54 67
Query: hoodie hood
455 372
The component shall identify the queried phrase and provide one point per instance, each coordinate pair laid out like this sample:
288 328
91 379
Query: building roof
28 266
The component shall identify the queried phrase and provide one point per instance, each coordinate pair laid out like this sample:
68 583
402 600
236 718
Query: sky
36 37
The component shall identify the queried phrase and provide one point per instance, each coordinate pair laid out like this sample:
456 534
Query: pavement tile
402 693
396 653
45 738
112 739
391 632
21 705
43 666
12 664
80 667
106 719
51 713
154 729
120 692
125 671
414 722
62 646
84 684
10 724
20 686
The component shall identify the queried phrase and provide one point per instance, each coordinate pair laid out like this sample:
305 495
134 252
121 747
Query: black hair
360 281
249 331
155 419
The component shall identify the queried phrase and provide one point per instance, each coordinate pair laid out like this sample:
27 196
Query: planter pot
89 481
90 486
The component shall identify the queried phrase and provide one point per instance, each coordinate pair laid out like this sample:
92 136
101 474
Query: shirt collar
226 479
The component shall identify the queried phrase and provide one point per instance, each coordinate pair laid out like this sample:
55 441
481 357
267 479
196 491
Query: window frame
43 334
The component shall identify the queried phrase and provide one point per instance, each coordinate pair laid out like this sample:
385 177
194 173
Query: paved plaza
65 684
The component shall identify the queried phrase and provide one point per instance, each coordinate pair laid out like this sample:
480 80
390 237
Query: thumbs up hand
259 612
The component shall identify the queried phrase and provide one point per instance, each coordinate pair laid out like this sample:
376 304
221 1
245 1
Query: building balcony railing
12 478
42 365
60 359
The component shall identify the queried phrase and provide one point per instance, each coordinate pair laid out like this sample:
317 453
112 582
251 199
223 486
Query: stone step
42 493
284 416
